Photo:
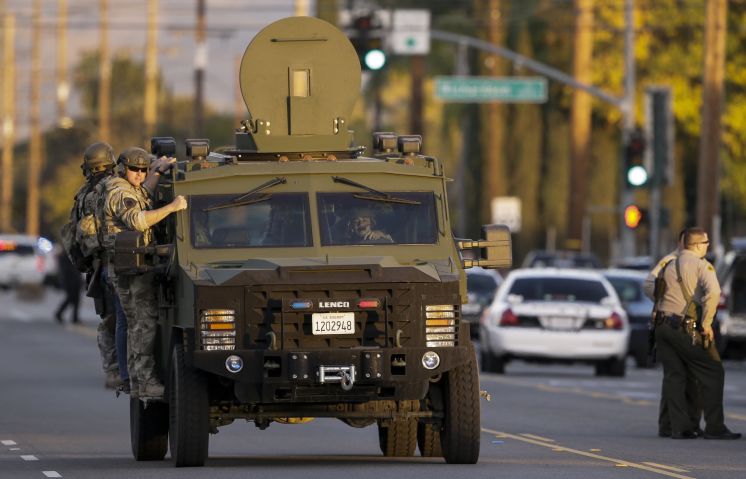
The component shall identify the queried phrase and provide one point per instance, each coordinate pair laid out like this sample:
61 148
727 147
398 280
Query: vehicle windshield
276 220
559 289
627 289
482 284
357 219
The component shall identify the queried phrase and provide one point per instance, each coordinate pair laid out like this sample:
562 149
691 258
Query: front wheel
148 430
459 438
428 440
189 412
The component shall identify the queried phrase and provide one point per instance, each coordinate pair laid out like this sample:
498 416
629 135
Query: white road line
615 461
20 315
8 442
51 473
29 457
15 448
663 466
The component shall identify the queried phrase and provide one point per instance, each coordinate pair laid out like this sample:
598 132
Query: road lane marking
617 462
15 448
29 457
538 438
8 442
51 473
663 466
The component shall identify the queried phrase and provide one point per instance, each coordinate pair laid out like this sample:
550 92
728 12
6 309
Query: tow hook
485 395
344 375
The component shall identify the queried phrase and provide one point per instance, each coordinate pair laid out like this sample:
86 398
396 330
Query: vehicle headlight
217 329
441 322
430 360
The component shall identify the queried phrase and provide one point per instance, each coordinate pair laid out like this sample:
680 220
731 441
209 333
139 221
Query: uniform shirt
648 286
698 277
122 209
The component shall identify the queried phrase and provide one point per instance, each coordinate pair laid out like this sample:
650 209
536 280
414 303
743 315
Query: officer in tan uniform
693 397
685 339
127 205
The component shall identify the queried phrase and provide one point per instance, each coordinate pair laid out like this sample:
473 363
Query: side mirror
495 250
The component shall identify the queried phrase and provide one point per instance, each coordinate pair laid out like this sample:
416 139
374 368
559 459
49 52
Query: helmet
134 156
97 158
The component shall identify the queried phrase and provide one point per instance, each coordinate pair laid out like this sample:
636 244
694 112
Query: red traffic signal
633 216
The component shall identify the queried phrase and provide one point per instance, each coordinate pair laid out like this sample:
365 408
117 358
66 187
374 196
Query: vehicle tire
459 439
148 430
188 413
602 368
428 440
399 439
492 363
617 367
641 359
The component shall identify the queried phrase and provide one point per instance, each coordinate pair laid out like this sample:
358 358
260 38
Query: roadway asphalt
56 420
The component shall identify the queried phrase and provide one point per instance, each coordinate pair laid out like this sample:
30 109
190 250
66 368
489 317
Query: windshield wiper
245 199
375 194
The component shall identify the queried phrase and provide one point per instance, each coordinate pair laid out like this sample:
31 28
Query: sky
231 24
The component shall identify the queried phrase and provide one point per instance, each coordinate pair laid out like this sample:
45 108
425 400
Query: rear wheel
491 363
188 413
148 430
399 438
611 367
428 440
459 438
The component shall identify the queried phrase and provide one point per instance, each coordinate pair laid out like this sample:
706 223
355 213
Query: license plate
333 323
561 324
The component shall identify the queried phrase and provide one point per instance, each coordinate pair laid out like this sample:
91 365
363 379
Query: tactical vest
108 214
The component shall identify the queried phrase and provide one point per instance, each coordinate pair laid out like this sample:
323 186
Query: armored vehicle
305 280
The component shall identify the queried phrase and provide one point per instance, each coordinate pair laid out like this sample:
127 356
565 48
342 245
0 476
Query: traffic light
634 216
634 160
368 42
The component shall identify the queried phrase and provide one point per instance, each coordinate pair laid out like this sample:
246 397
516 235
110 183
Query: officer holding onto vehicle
98 166
127 205
685 339
692 393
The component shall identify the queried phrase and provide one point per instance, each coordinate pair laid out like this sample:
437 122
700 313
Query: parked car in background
731 272
628 285
481 285
556 315
561 259
25 260
639 263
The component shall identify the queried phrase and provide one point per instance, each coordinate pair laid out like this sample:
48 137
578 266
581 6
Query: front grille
271 323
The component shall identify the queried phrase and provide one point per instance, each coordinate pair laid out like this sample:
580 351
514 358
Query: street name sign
491 89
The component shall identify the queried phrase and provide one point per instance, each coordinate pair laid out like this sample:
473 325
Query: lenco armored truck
306 279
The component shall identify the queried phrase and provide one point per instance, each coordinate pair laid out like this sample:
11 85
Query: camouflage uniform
121 209
86 234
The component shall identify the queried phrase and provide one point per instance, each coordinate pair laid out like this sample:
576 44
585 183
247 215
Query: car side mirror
494 251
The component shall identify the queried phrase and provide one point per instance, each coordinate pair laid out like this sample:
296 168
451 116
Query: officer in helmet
98 165
128 205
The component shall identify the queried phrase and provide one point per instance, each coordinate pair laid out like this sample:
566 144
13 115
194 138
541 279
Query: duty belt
673 320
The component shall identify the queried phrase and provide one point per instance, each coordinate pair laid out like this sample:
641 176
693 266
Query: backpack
69 238
80 236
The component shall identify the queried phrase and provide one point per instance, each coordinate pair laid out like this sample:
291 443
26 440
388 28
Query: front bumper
296 376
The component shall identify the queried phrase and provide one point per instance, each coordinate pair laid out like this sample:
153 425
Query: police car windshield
352 219
559 289
279 220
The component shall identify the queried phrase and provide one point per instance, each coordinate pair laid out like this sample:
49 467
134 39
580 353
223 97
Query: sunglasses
137 170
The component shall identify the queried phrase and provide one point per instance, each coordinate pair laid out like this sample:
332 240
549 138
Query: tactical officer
692 393
127 205
685 339
361 228
98 165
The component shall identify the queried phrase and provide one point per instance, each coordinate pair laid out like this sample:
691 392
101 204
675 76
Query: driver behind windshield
360 228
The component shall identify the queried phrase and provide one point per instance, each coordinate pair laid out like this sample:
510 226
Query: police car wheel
188 413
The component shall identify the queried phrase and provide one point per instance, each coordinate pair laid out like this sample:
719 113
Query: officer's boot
152 389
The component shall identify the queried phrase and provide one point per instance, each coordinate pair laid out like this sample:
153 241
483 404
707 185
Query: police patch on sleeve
130 203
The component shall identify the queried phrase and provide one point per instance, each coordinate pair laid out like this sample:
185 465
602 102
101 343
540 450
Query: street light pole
626 235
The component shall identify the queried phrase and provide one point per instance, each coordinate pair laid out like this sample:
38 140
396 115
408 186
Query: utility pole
708 171
63 85
580 120
200 62
35 143
627 236
150 108
9 63
302 8
104 80
493 133
417 65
